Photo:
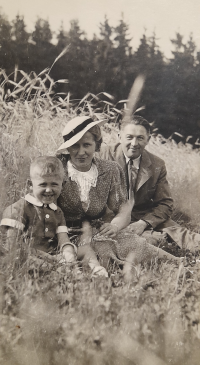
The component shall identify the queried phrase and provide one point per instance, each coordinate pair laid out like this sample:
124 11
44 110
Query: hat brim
80 134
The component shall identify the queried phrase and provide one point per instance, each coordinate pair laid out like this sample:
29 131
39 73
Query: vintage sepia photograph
99 182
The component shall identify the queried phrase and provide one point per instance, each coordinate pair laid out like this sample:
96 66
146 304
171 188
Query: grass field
49 315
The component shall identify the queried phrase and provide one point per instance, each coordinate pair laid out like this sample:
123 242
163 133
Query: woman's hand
108 230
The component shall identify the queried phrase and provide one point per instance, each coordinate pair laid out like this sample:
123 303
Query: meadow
50 315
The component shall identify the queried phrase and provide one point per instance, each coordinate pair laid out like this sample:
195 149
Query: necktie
132 176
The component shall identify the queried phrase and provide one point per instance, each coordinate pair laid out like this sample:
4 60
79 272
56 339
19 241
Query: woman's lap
126 242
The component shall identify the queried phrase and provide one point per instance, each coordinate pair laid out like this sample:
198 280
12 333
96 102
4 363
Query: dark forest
108 63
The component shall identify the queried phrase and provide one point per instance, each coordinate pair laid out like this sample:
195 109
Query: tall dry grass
49 316
182 164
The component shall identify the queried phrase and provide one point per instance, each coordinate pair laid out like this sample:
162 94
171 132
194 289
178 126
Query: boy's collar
31 199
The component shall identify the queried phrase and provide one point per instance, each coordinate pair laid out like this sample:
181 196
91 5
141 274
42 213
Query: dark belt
78 222
74 224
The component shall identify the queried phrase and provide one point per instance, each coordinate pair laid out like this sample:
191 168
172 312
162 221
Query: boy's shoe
76 270
69 267
99 271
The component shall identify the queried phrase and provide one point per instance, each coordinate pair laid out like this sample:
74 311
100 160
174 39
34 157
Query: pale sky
165 17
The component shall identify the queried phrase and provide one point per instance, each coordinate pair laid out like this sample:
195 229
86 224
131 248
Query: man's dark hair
137 120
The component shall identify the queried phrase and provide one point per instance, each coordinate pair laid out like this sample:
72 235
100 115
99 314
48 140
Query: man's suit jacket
153 201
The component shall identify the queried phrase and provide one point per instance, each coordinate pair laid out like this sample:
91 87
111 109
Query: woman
91 188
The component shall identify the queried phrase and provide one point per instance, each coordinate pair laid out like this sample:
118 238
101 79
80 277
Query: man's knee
168 223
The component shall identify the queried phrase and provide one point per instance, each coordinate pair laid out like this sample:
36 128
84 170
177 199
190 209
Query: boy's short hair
47 166
137 120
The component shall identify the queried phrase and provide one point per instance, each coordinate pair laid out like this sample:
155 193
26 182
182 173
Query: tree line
108 63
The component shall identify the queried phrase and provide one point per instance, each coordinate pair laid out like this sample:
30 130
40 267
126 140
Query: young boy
39 219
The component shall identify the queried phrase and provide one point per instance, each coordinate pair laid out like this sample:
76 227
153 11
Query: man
147 186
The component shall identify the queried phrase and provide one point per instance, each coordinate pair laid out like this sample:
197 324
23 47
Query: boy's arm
13 223
66 248
10 236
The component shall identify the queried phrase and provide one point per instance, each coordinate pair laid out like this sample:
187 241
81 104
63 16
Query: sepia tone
60 59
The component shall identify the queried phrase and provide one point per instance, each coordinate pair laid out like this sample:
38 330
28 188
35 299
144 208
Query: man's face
46 188
134 139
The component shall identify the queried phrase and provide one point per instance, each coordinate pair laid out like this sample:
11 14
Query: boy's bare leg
86 254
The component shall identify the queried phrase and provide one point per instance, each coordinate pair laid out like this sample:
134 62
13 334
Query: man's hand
108 230
138 227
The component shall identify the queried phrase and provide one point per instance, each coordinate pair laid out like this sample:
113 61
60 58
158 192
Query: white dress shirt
136 161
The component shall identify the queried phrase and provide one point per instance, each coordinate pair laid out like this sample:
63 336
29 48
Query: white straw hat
76 128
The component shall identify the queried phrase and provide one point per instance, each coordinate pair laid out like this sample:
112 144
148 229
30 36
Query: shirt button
45 205
46 229
47 215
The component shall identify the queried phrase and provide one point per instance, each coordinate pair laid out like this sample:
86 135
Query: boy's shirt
39 222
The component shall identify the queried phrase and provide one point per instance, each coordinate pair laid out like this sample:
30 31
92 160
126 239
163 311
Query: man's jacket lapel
120 158
115 153
145 171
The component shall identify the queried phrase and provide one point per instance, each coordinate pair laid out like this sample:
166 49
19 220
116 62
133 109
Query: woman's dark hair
96 132
137 120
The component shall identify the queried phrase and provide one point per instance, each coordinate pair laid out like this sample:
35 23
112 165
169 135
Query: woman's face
82 152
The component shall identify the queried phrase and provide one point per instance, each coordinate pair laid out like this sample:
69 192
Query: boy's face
46 188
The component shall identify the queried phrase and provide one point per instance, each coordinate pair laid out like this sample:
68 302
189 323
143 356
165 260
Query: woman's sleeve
118 192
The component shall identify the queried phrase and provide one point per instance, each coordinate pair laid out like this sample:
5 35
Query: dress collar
136 161
90 174
31 199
